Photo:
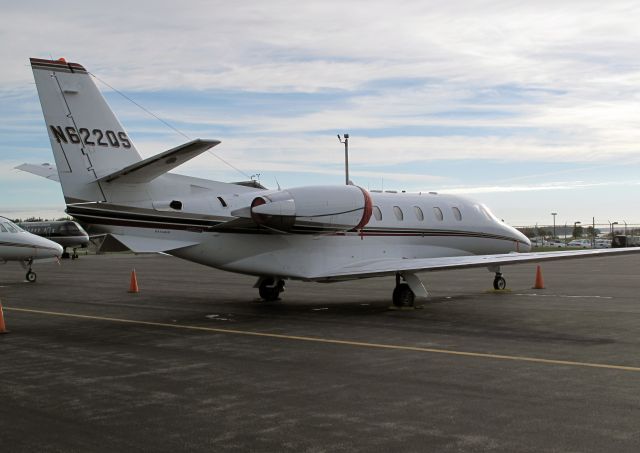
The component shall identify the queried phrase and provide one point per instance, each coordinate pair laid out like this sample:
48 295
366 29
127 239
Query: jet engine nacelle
316 208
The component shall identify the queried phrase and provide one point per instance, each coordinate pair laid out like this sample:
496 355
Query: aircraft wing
45 170
149 169
381 267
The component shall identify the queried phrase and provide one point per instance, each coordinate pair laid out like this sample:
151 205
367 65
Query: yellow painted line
337 342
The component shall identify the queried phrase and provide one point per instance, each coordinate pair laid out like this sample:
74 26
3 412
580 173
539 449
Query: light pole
575 225
554 214
346 156
611 224
625 227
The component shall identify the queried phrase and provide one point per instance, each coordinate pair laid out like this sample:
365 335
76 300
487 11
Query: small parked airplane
67 233
19 245
312 233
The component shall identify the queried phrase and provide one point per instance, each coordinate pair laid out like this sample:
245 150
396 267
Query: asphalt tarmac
195 362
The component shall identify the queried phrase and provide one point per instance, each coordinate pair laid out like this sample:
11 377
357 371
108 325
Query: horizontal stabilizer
45 170
139 244
149 169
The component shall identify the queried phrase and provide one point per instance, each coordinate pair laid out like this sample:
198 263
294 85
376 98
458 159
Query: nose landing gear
499 282
30 276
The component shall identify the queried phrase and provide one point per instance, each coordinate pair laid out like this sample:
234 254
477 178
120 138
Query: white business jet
19 245
314 233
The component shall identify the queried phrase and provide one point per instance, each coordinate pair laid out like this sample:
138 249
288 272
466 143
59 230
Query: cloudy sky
531 107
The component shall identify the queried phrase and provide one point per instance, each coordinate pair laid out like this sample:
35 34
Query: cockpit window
487 212
2 228
9 225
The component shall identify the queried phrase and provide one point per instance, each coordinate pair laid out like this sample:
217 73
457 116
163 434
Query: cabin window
398 212
419 213
456 213
438 213
377 213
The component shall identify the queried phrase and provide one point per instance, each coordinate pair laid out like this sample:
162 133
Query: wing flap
148 169
139 244
375 268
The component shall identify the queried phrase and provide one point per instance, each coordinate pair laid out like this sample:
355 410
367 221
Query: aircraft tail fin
87 139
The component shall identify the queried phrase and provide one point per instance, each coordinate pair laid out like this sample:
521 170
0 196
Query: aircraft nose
48 249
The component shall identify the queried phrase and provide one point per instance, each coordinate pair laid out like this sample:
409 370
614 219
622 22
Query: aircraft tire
31 276
499 283
403 296
269 290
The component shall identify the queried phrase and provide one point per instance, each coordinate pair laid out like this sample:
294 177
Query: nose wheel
31 276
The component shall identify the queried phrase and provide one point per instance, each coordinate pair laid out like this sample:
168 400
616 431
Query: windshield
8 225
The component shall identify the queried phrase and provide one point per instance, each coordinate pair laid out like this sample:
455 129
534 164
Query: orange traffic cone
539 284
3 328
133 287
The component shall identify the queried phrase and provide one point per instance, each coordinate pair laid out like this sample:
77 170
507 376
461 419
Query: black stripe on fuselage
28 246
131 219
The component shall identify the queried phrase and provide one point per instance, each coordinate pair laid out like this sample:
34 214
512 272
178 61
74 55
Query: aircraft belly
301 257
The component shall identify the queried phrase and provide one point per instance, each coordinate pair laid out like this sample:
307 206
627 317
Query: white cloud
424 81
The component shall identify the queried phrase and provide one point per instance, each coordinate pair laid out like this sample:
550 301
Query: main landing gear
402 295
270 288
408 287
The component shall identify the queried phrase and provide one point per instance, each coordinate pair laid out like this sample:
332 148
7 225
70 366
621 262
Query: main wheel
269 290
499 283
31 276
403 296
